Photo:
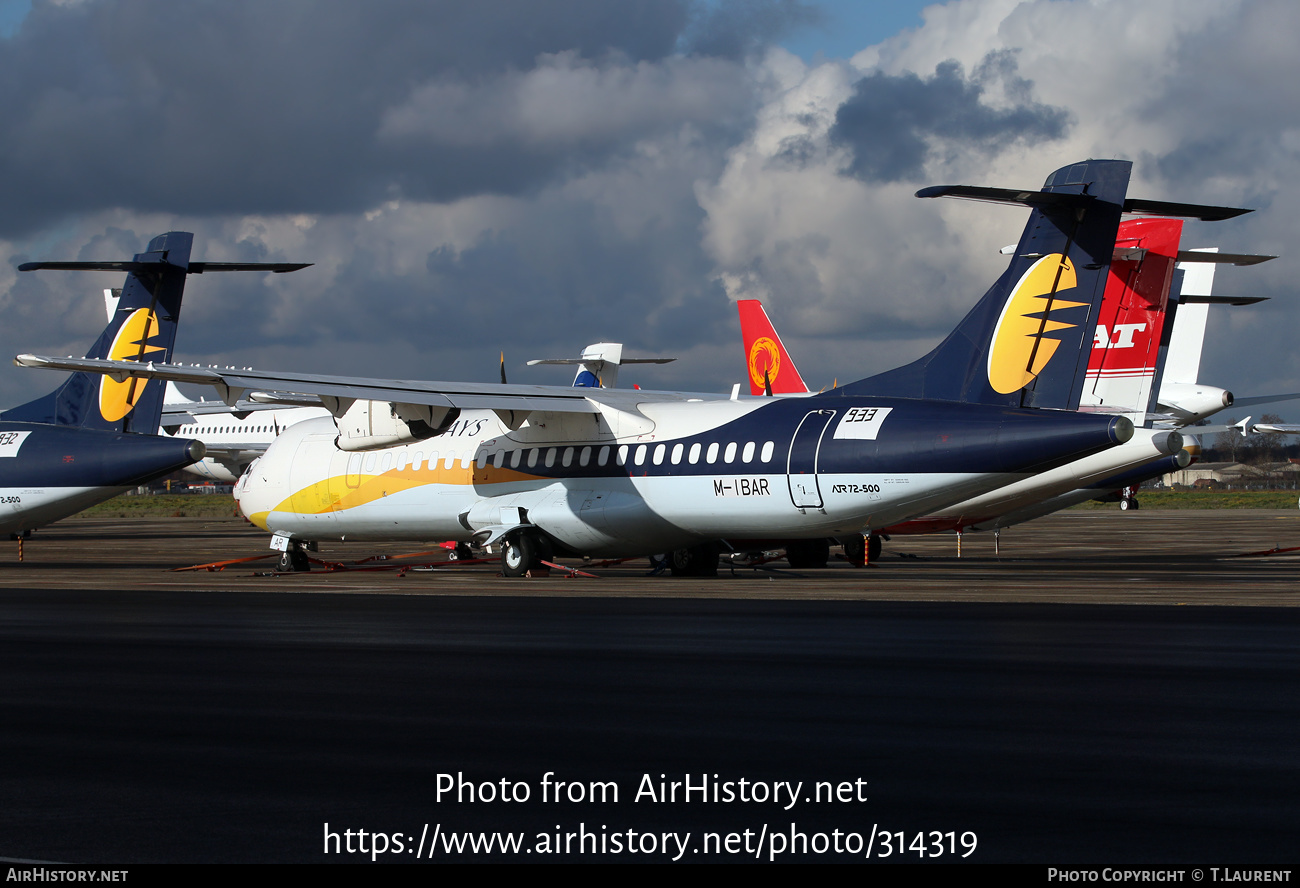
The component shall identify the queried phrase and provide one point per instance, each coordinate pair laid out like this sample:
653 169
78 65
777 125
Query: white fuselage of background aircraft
233 443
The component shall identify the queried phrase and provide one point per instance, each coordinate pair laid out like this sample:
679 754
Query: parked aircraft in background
609 472
232 436
95 436
1182 399
1125 367
769 366
598 364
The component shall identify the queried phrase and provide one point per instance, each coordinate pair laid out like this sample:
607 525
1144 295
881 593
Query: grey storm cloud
455 137
889 120
323 106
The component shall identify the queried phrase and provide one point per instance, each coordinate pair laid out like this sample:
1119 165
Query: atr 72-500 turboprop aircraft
95 436
616 472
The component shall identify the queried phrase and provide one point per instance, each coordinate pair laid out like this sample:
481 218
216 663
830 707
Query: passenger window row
222 430
529 458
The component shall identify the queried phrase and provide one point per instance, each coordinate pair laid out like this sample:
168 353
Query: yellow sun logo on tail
117 399
1019 350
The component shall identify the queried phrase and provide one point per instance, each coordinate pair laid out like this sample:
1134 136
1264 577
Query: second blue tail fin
142 328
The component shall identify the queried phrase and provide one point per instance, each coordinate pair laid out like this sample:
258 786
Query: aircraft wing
237 452
187 412
337 392
1245 427
1277 428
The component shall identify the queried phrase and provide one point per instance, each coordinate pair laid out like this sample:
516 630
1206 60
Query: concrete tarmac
1047 706
1221 557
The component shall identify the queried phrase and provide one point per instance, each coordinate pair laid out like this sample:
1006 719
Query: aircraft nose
256 494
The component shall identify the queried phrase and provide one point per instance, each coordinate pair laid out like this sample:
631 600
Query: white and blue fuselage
667 475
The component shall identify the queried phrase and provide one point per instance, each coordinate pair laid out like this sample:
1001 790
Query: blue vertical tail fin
142 327
1026 343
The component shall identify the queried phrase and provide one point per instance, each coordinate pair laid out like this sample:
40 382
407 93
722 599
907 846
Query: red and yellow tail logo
1019 350
764 352
764 356
117 399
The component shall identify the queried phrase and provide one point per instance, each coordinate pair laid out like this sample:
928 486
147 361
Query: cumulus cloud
814 211
535 176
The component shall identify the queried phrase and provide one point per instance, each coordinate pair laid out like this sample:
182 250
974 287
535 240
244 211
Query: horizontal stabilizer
1221 258
1264 399
1140 207
598 364
1224 300
193 267
1008 195
576 361
1043 199
276 267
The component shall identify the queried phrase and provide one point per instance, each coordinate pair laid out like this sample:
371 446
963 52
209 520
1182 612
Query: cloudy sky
532 176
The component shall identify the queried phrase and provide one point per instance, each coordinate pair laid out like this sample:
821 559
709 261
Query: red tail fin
1122 366
765 353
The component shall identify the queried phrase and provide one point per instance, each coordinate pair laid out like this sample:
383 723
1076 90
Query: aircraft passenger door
801 467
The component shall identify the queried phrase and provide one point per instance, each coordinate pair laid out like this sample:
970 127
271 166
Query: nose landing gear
294 558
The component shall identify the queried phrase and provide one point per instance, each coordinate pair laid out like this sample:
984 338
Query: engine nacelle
1168 443
372 425
1192 402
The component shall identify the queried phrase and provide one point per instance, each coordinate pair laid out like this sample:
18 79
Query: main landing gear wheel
1128 503
875 545
855 549
522 552
696 561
